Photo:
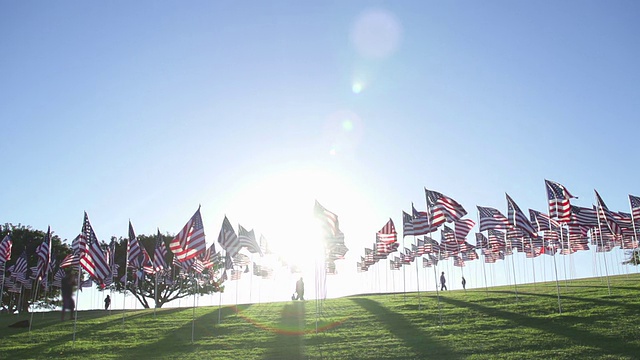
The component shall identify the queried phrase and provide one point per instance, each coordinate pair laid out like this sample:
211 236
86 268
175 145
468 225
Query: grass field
472 325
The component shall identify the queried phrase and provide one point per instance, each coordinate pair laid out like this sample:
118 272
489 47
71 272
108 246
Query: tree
27 238
171 284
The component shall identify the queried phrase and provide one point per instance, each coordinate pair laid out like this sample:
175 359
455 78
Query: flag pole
515 281
555 266
635 236
155 293
4 275
602 244
75 316
193 321
35 293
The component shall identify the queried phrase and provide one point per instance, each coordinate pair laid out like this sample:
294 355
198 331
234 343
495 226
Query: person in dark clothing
67 295
300 289
107 302
443 282
464 283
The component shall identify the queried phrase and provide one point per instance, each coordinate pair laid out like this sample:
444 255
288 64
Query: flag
210 257
228 239
584 216
635 207
159 254
605 216
462 228
133 248
248 239
542 221
559 205
424 223
70 260
407 224
517 218
43 253
93 260
329 221
264 245
481 241
491 218
5 249
387 235
438 203
190 242
19 271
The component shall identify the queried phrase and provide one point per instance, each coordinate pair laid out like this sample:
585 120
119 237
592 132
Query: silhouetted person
464 283
300 289
107 302
443 282
67 295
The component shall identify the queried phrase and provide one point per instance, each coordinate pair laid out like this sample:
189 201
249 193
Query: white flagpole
513 265
4 275
75 316
635 236
602 244
193 321
35 293
555 266
155 292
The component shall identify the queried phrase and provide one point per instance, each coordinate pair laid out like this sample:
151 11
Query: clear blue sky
144 110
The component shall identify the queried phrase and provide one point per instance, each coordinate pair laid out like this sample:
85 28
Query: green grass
471 325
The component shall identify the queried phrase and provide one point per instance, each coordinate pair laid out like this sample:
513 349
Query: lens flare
376 34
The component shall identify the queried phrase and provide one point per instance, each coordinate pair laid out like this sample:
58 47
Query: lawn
476 324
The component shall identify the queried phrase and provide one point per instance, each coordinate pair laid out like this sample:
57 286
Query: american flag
634 201
159 254
424 222
491 218
94 260
19 271
70 260
329 221
457 261
407 224
44 256
133 248
542 221
584 216
481 241
431 245
210 257
387 235
439 203
517 218
559 205
264 245
462 228
248 239
79 245
236 274
606 216
5 249
190 242
228 239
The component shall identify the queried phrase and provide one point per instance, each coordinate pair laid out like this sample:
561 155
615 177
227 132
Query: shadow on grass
562 328
288 342
609 301
422 344
178 341
65 341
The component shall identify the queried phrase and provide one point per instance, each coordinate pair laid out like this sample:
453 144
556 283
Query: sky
145 110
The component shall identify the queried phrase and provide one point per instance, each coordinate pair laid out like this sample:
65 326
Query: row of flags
565 229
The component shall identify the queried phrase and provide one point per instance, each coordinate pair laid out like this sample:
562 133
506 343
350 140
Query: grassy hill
472 325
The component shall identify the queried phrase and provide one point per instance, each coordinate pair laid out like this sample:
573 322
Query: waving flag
634 201
441 204
559 205
44 255
248 239
462 228
518 219
159 263
190 242
228 239
605 216
329 221
133 248
94 260
542 221
19 271
5 249
491 218
387 235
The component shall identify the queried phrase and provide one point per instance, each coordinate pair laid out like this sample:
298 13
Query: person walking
107 302
464 284
300 289
67 295
443 282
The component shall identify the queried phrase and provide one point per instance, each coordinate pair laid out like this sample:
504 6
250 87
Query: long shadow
180 338
288 342
66 340
607 345
604 302
424 345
